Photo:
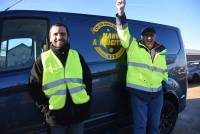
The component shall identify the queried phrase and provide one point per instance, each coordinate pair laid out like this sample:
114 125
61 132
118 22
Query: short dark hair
148 29
60 25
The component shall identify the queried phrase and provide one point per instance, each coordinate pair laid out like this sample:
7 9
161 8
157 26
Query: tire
168 117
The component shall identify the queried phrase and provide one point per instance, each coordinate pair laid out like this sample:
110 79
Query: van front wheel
168 117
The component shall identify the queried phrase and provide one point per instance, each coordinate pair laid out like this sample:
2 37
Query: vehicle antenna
13 5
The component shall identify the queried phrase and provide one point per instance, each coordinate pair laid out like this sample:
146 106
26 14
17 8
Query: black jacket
70 113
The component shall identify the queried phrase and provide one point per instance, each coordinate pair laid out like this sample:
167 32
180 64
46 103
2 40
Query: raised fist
120 4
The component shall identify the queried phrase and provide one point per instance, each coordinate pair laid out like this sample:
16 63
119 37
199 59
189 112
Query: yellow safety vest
58 79
143 73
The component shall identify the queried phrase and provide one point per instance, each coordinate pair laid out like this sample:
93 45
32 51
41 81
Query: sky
184 14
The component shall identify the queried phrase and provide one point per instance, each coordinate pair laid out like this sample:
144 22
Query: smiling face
148 40
58 36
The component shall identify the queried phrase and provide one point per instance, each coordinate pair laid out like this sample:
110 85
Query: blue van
24 35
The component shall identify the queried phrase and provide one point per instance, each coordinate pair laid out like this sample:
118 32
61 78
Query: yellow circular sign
106 41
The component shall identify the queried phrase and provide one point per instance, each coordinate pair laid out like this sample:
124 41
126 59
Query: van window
164 36
168 38
21 42
135 30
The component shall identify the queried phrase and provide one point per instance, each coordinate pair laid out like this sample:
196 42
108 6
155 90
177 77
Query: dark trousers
146 113
76 128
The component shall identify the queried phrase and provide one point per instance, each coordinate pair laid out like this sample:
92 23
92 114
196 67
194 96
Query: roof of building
192 52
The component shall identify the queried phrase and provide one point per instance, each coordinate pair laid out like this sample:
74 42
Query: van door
21 41
96 39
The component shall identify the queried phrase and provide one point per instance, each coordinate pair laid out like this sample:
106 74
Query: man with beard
61 84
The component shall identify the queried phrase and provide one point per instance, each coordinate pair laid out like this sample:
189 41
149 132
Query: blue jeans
146 113
76 128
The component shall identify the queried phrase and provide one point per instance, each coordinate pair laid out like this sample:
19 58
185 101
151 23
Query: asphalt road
188 121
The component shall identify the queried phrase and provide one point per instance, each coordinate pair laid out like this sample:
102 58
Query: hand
120 4
172 83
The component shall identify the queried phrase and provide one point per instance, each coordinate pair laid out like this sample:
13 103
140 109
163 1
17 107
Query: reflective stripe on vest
144 88
61 81
57 79
147 67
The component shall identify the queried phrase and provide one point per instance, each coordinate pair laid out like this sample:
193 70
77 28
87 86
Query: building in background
193 55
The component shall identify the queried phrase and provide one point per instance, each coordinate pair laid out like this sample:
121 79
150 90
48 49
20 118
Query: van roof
27 13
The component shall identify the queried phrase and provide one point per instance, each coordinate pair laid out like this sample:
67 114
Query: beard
60 43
